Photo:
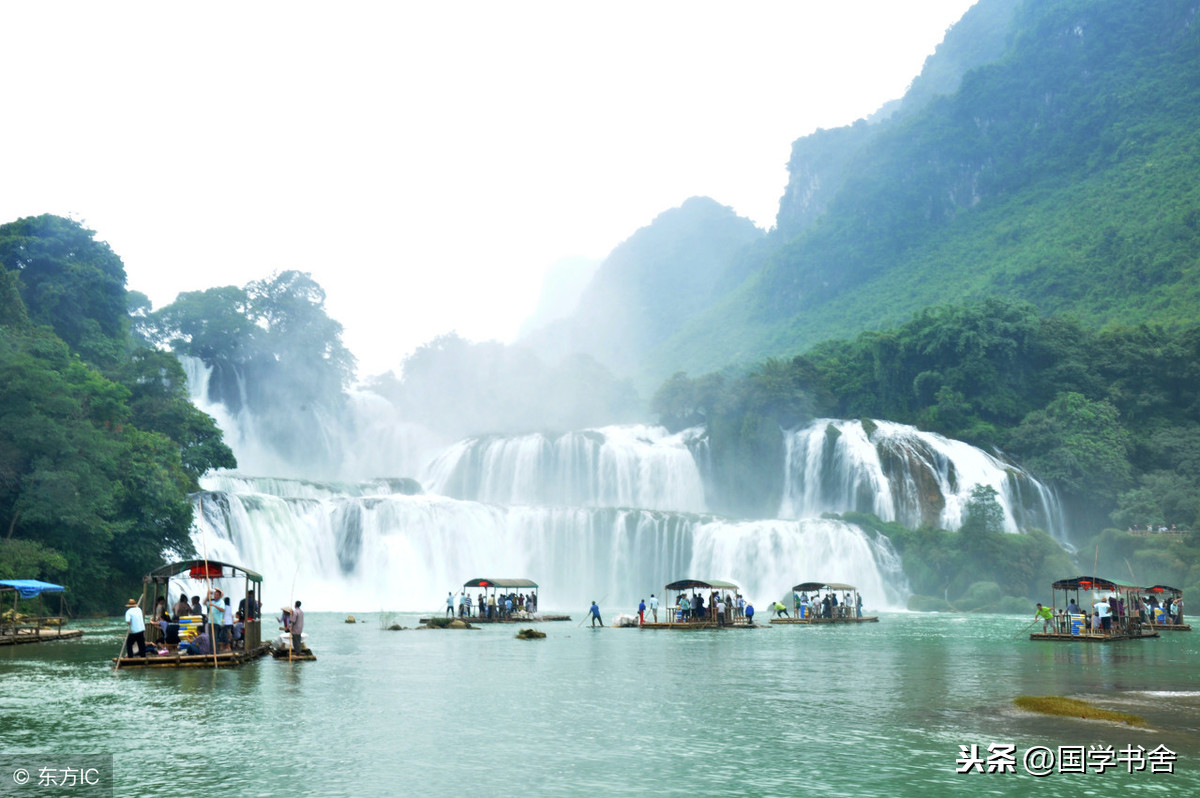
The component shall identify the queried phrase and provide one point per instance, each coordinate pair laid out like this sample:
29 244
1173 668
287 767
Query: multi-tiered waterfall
900 473
609 514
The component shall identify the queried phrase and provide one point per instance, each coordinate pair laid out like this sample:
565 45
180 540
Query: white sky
426 162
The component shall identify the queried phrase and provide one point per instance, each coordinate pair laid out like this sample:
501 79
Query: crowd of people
1108 615
191 627
491 606
720 608
827 606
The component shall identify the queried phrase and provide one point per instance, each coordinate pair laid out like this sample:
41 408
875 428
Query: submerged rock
530 634
447 623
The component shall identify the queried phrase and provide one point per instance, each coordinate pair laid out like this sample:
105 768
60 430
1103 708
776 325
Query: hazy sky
426 162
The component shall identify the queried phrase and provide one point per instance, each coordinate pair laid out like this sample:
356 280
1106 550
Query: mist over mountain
564 283
1060 172
651 284
1046 153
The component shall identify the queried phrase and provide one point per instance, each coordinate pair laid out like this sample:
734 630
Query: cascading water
361 549
364 438
633 466
609 514
902 474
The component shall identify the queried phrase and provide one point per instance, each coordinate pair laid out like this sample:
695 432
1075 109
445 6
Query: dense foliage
99 444
1111 418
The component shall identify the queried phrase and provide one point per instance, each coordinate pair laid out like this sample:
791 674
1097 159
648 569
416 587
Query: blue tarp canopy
30 588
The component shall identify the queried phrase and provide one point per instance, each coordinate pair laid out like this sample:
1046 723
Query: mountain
1060 168
652 284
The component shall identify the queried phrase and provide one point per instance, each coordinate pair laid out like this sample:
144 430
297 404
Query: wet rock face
530 634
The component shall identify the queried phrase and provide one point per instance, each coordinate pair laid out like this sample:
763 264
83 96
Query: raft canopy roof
29 588
1093 583
502 583
804 587
687 584
201 569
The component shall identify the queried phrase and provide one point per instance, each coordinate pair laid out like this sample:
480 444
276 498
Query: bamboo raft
523 619
225 659
305 655
814 619
41 635
706 624
1089 637
1169 627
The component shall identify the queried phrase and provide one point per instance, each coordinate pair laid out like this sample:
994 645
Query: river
873 709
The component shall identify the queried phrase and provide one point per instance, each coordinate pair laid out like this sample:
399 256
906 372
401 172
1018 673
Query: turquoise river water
870 710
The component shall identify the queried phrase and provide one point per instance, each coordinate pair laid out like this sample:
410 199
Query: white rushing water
403 552
626 466
608 514
902 474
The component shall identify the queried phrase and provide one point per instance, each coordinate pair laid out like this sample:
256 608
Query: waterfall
902 474
364 438
631 466
610 514
364 548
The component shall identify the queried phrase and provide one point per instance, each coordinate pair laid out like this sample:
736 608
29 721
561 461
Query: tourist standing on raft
641 612
595 610
654 607
1045 615
297 628
137 629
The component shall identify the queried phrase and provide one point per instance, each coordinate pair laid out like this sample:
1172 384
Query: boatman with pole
137 629
595 610
1046 617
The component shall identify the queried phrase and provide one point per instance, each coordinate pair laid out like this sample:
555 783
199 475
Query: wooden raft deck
864 619
1088 637
527 619
43 635
226 659
691 626
1169 627
305 655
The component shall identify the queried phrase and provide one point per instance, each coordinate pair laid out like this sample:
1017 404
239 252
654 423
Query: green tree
69 281
1079 444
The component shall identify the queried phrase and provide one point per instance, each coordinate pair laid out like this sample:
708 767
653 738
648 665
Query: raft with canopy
1160 619
683 616
16 628
499 588
846 610
214 575
1076 626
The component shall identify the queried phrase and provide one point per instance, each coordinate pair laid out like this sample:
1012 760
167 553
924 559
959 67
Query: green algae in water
1074 708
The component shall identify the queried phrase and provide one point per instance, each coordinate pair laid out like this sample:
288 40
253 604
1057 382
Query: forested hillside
1110 418
99 444
1063 173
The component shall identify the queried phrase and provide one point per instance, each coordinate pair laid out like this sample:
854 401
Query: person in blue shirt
642 611
749 613
595 610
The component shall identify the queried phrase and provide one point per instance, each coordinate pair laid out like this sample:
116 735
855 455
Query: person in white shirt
137 629
654 607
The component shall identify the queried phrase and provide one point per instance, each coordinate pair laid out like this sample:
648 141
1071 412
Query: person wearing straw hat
137 628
